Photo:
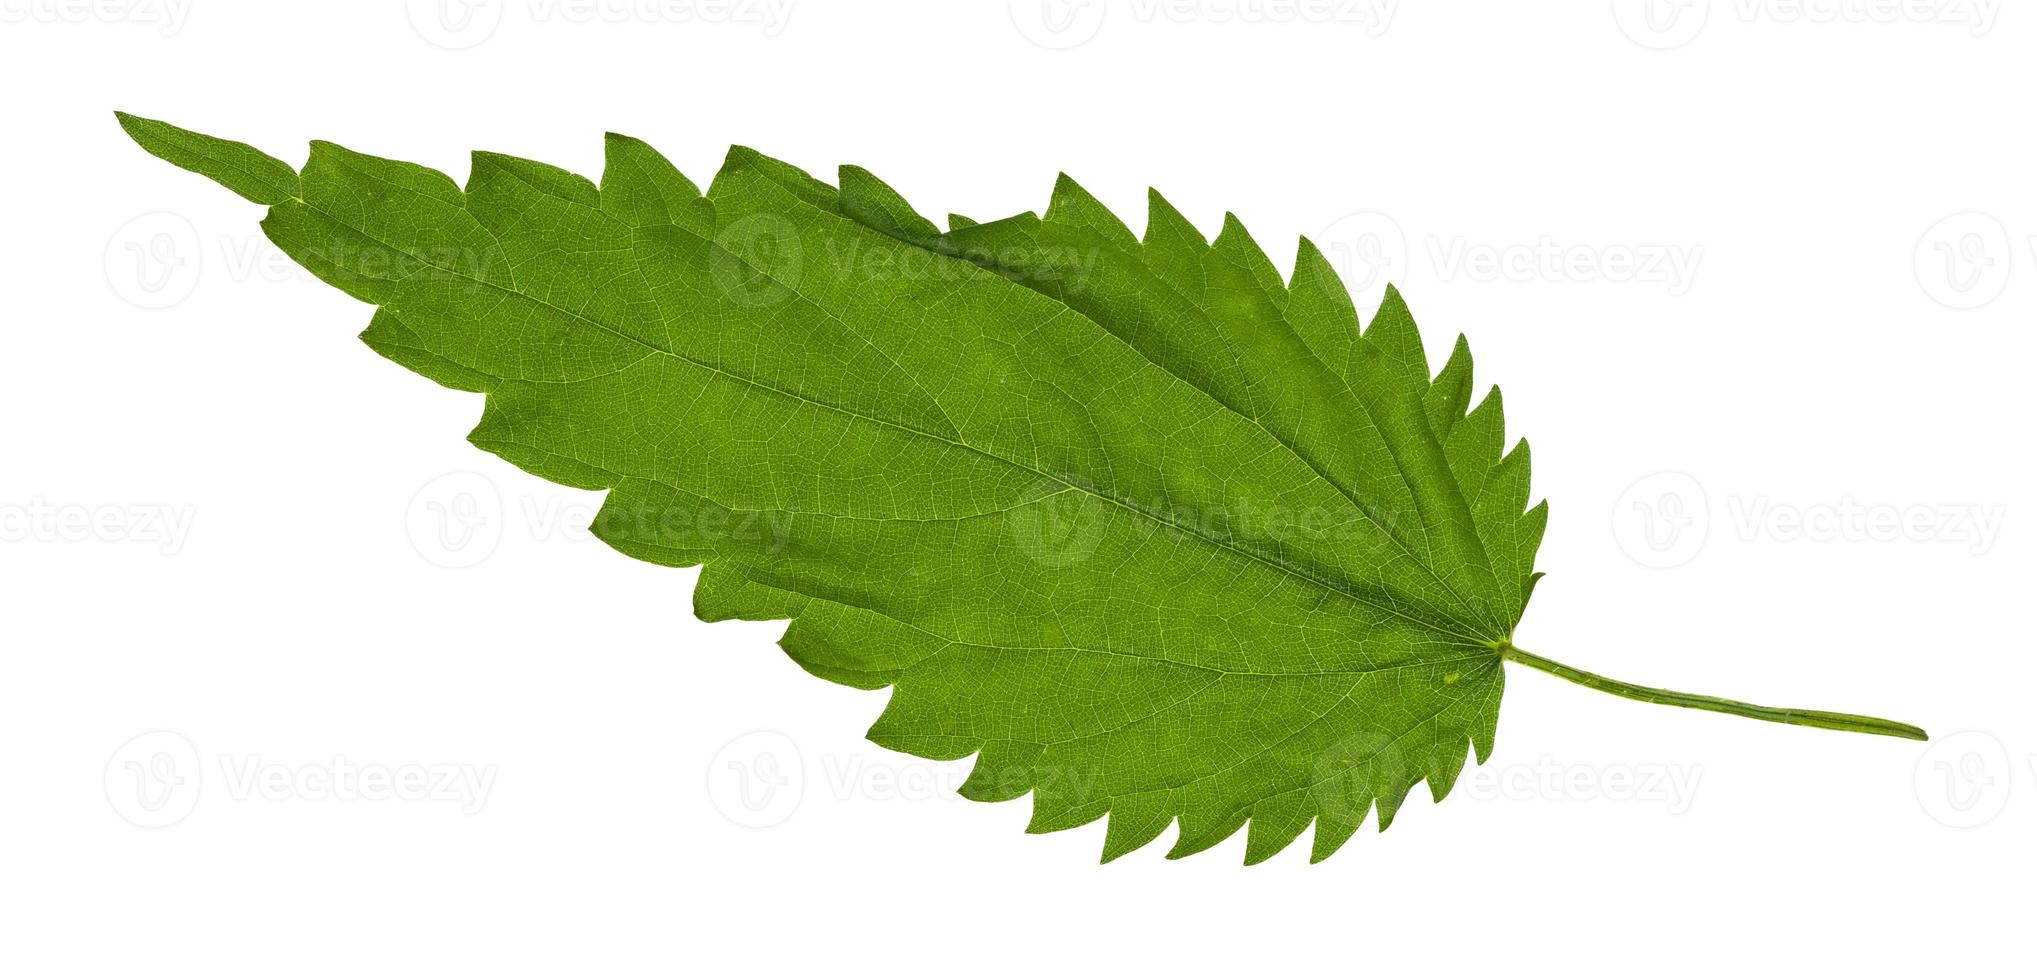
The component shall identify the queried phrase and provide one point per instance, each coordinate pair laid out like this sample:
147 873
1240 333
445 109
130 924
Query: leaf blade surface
1155 535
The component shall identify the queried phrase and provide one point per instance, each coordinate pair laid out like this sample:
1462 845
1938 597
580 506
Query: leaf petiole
1654 695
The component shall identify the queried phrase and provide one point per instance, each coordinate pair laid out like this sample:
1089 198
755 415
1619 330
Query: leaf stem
1655 695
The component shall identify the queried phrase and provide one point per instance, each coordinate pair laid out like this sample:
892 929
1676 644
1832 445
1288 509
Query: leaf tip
134 126
1392 301
236 166
1066 192
1166 223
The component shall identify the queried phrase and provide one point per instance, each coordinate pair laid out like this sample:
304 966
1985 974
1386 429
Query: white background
228 521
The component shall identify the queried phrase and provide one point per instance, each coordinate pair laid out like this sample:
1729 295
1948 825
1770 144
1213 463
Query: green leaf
243 169
1153 534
